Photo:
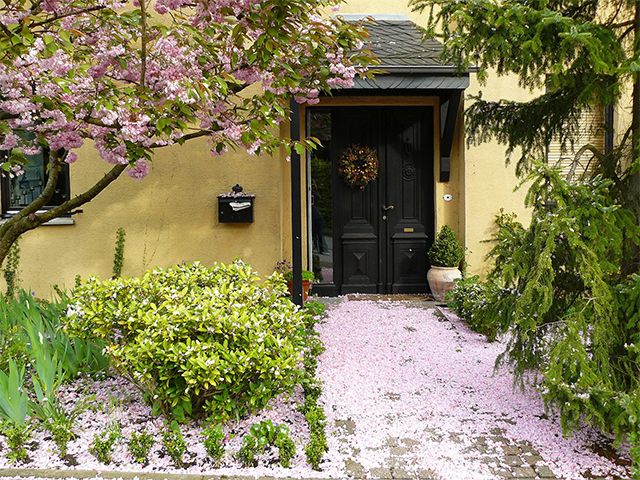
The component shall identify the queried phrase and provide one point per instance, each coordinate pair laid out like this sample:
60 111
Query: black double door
381 234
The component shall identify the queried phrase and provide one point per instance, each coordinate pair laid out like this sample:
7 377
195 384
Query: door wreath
358 165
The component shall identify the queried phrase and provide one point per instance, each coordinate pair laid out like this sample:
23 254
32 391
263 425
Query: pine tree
580 53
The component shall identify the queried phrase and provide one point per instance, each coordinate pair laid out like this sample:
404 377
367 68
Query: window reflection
321 199
28 186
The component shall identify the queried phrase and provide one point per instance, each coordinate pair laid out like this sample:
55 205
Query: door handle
386 208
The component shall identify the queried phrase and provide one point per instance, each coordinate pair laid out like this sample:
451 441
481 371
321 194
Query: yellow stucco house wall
171 216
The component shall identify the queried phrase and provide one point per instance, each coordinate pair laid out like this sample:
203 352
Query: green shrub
315 449
174 443
446 250
265 434
139 446
197 339
13 344
473 301
312 387
306 276
214 442
315 311
61 429
286 448
11 270
317 446
16 436
285 268
103 443
248 451
118 256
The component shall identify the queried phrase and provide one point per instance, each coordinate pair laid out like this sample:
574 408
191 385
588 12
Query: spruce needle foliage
574 51
559 294
565 289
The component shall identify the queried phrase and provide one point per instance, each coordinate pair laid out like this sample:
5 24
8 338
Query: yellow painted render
171 216
488 182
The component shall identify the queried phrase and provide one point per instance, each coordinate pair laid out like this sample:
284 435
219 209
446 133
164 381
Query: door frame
365 101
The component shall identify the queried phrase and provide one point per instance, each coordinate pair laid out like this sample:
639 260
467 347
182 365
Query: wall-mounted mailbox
235 206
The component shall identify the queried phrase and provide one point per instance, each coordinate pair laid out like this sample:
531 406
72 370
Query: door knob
386 208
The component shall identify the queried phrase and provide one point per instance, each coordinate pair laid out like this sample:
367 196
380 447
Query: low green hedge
196 339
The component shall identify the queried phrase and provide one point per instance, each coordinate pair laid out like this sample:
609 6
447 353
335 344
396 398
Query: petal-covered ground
411 392
115 400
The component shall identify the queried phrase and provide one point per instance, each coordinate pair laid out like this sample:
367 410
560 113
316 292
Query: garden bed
114 399
191 369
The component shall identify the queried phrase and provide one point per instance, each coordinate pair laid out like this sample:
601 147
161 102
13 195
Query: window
20 191
320 173
592 132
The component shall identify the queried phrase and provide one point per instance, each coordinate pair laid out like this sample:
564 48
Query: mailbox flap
237 206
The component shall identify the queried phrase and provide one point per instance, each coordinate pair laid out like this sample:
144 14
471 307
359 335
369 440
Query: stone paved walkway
410 392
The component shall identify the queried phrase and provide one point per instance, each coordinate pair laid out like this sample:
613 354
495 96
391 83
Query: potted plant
308 277
307 281
445 256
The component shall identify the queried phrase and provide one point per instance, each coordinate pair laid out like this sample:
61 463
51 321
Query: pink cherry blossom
139 170
86 77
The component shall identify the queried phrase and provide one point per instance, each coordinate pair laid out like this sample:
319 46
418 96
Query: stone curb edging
84 474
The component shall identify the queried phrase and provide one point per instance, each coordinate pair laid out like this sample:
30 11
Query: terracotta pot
442 280
306 288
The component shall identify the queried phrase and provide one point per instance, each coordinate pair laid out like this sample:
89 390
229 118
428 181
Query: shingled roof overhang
408 59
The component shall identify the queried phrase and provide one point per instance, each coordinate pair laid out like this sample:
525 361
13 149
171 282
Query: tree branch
143 42
184 138
68 14
83 198
43 198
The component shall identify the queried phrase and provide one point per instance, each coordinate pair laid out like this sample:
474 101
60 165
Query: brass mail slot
409 230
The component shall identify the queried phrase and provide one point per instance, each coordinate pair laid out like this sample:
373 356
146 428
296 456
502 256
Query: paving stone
354 469
347 425
502 472
400 473
382 473
482 449
523 472
526 448
399 451
511 450
532 459
544 472
410 442
393 441
513 461
395 462
422 474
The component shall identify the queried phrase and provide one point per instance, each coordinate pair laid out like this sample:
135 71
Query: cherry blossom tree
132 76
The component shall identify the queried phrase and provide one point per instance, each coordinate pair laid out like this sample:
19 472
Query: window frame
7 211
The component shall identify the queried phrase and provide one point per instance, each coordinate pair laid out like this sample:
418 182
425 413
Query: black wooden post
448 119
296 207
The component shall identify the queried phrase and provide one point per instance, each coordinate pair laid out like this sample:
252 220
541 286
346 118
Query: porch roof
409 60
